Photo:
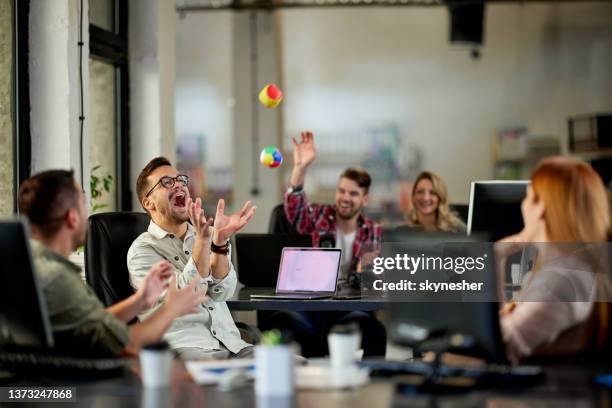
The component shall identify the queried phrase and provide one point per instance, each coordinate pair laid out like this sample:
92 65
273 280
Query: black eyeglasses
168 182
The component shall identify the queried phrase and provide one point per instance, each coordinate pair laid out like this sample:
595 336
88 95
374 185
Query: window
108 116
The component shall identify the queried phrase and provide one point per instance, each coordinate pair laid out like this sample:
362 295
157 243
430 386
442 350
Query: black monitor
412 321
258 256
24 321
425 320
495 208
410 235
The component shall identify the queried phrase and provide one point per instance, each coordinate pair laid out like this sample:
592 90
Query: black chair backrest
279 223
109 237
461 210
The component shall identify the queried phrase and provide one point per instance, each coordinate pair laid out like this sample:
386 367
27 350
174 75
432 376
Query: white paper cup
156 365
343 349
274 371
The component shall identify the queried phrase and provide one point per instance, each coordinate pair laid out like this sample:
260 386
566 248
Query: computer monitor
258 256
24 321
424 319
495 208
480 320
405 234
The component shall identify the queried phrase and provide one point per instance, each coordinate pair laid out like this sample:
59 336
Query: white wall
347 69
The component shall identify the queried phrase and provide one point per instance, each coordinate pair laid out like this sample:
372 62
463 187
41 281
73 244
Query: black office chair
109 237
461 210
111 234
279 224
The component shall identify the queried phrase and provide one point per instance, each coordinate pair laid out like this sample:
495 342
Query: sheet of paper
209 372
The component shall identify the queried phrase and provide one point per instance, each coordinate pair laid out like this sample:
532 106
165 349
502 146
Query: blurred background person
430 210
562 308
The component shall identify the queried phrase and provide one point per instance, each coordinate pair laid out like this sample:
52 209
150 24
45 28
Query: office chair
279 223
461 210
109 236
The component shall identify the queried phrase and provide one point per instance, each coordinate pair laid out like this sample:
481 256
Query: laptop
26 338
306 273
258 256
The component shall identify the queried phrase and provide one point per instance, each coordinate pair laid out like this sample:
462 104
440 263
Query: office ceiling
186 6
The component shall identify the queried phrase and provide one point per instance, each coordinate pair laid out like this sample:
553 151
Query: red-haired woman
560 304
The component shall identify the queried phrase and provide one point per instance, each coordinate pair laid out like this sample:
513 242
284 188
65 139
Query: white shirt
213 326
345 243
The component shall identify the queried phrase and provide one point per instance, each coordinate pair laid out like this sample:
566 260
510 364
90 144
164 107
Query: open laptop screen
308 269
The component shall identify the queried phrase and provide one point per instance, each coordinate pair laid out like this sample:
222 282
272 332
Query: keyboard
58 364
489 373
292 296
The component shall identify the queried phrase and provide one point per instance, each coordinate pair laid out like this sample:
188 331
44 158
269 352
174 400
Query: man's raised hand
227 225
198 220
304 152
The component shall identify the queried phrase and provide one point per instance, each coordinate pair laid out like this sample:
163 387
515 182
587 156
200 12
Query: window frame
22 140
112 47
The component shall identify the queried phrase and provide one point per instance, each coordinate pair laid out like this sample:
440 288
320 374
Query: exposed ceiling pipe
211 5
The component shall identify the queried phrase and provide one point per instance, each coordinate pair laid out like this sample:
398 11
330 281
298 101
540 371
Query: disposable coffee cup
274 370
343 341
156 365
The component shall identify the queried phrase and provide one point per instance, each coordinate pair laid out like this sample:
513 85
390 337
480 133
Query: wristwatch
220 249
295 189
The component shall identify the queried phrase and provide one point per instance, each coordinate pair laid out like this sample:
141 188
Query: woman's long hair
446 220
577 207
577 210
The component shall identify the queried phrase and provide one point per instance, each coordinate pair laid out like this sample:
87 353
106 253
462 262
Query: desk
242 301
564 387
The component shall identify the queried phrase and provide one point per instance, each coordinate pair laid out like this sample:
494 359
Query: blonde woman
430 210
562 308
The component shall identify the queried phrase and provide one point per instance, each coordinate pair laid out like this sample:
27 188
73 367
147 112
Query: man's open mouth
344 206
178 200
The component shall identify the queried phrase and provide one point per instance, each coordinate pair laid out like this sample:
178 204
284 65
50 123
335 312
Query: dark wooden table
242 301
565 386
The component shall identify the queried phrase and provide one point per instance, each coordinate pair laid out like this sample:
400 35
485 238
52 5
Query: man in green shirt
55 206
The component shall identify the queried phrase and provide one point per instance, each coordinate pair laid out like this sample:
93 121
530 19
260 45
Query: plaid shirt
320 219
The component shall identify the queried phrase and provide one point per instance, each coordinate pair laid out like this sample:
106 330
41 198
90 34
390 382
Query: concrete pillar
256 63
55 86
152 35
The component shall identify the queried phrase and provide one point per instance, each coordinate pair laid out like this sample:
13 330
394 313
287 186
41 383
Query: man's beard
173 217
351 215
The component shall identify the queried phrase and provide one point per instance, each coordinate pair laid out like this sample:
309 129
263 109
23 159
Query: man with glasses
197 251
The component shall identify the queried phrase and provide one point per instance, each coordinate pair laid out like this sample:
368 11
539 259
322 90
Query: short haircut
359 176
142 183
46 197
